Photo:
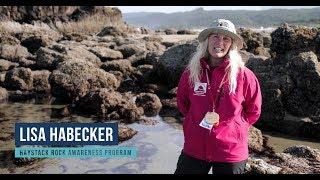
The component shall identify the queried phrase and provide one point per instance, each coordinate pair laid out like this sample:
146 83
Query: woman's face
219 45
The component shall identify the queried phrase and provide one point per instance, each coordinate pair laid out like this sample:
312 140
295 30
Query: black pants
190 165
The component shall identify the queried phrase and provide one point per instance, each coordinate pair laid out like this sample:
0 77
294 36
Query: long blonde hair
232 69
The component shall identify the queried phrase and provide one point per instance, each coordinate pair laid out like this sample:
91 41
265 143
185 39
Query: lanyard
214 101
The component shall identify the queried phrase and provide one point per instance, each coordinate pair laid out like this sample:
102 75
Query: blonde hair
232 69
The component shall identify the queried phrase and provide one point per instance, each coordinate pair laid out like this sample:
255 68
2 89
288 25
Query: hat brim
236 38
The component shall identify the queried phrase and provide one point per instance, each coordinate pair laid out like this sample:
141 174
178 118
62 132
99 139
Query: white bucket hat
222 26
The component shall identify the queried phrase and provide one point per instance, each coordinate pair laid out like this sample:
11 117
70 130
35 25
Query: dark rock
112 31
304 152
186 31
41 81
150 103
33 43
60 112
124 66
19 79
287 38
173 61
21 96
109 104
170 31
130 49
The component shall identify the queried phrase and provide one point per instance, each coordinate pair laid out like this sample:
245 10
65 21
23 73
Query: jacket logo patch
200 89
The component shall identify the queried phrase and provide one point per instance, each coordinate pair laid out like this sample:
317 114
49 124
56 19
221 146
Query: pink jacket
229 141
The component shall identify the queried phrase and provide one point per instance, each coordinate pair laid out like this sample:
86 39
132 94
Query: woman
220 98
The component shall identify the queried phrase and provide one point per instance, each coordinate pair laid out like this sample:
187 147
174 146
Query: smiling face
219 45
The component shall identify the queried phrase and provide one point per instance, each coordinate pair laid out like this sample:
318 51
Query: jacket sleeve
183 102
252 97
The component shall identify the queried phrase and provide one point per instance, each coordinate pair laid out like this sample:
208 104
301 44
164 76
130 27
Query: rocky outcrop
75 78
13 53
150 103
106 54
56 13
7 65
173 61
293 160
41 81
110 105
19 79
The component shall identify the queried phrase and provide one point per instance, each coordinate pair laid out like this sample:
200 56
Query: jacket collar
204 63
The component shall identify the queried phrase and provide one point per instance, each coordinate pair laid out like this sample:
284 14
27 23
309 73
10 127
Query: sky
172 9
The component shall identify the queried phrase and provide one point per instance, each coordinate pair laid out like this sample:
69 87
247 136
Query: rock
173 61
302 151
41 81
19 79
75 78
255 140
3 95
112 31
2 77
170 109
153 38
9 40
33 43
170 31
60 112
126 133
147 121
7 65
110 105
106 54
21 96
150 102
185 31
259 166
130 49
124 66
13 53
144 30
75 36
288 38
48 59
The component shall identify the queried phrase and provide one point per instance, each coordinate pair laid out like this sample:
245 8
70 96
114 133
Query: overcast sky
171 9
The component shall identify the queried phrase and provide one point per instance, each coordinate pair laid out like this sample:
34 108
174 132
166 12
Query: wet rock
3 95
150 103
173 61
255 140
186 31
7 65
9 40
112 31
41 81
170 109
106 54
75 36
287 38
126 133
48 59
33 43
60 112
21 96
13 53
75 78
130 49
104 102
124 66
19 79
145 74
303 152
259 166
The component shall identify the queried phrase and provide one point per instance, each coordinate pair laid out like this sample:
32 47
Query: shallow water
158 146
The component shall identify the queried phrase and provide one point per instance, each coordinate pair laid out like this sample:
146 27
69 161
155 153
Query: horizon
175 9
